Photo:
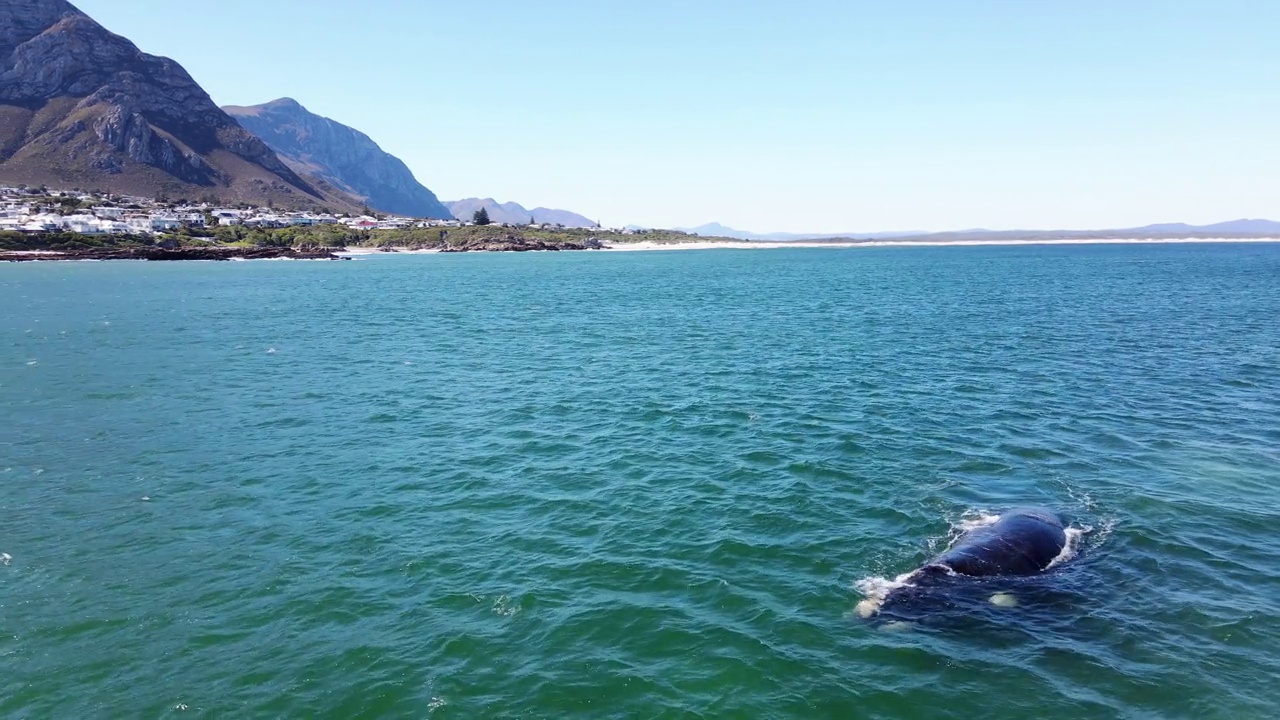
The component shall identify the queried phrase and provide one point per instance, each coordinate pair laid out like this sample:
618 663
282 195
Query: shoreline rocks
510 243
157 254
516 243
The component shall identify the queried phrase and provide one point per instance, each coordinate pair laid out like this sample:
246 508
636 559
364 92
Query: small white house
44 222
138 224
364 222
83 224
227 216
163 223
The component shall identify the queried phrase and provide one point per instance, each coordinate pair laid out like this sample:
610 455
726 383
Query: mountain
1232 229
718 230
515 214
344 156
1242 229
83 107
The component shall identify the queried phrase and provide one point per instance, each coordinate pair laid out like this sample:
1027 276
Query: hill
83 107
718 230
1241 229
342 155
1231 229
516 214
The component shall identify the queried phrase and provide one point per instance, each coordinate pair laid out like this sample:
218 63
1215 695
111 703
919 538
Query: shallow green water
635 484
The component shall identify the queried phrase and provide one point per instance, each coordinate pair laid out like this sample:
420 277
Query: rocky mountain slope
345 157
83 107
516 214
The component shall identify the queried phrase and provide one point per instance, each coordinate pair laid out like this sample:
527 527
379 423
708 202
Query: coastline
783 245
268 253
158 254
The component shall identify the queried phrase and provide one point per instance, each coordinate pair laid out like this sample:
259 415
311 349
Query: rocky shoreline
517 244
222 253
171 254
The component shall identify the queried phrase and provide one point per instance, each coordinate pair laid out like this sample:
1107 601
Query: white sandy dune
745 245
756 245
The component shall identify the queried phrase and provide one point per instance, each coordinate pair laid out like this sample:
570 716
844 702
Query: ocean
637 485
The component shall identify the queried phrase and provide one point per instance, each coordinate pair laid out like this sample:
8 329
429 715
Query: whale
1021 543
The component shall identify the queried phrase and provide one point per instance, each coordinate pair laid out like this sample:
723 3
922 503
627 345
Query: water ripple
637 485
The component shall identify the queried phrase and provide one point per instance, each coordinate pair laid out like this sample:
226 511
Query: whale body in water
1021 543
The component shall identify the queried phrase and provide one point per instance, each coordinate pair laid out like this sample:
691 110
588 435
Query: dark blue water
636 484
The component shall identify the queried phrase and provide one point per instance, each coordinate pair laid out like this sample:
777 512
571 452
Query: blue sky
807 116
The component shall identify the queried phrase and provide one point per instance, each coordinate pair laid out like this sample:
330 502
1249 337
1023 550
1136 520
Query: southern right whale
1021 543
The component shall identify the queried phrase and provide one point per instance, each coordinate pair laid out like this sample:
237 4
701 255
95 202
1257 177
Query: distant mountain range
83 107
343 156
718 230
1230 229
1234 228
516 214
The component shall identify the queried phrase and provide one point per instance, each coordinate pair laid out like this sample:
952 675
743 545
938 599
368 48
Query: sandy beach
763 245
754 245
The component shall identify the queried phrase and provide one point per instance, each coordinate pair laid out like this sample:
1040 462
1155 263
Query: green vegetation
332 236
314 236
481 217
427 238
62 241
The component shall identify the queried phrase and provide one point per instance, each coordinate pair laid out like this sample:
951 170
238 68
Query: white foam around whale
973 522
1071 548
875 591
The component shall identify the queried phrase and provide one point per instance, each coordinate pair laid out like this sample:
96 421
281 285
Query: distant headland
45 224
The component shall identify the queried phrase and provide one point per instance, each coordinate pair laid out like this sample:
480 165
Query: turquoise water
636 484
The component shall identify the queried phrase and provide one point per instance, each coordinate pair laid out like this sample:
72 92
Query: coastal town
41 210
42 224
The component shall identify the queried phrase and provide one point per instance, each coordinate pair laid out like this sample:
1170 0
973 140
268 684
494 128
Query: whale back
1021 542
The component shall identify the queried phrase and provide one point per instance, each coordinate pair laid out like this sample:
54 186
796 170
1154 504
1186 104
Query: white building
138 224
163 223
44 222
83 224
228 217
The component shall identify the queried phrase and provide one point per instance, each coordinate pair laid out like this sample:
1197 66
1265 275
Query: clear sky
806 115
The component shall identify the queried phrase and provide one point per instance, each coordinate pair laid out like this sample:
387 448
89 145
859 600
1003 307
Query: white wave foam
1084 499
1072 547
875 591
506 606
974 520
968 522
5 558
